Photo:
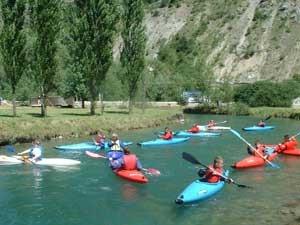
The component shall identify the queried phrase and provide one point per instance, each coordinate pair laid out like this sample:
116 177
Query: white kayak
204 128
44 161
6 160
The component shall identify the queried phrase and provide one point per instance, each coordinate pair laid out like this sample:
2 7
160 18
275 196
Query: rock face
244 41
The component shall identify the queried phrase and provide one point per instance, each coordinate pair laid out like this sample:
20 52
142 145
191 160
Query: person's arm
24 152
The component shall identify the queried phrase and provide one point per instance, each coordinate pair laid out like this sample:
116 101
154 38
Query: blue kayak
163 142
199 134
198 191
257 128
84 146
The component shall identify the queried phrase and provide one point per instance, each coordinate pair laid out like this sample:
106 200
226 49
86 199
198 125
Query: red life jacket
260 151
130 162
290 145
194 129
167 136
210 177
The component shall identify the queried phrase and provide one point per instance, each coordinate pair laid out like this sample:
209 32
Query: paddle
269 117
12 149
225 121
193 160
150 171
240 137
295 135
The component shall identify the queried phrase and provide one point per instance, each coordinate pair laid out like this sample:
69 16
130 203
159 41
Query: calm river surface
91 194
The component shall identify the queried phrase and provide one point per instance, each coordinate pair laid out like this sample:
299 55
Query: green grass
75 122
276 112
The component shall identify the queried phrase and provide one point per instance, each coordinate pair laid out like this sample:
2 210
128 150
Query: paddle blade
10 148
242 185
190 158
152 171
269 117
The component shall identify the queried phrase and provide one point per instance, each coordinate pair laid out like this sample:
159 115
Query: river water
91 194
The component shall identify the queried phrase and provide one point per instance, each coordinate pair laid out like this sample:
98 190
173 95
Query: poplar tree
45 18
95 23
13 43
133 52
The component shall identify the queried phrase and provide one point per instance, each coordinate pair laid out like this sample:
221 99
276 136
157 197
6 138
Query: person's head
167 129
286 137
256 143
114 137
100 132
126 151
218 162
195 125
36 142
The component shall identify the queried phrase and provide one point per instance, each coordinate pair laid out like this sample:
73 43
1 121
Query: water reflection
129 192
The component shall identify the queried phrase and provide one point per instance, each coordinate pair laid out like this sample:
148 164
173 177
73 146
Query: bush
267 93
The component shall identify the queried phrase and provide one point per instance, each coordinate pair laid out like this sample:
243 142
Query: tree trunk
82 103
130 105
102 104
43 105
93 107
14 104
144 95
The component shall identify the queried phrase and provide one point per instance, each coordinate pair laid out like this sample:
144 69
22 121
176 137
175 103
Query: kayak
132 175
199 134
295 152
214 128
48 161
254 161
94 155
6 160
257 128
90 146
164 142
198 191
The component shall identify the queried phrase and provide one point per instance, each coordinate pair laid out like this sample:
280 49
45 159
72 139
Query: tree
133 53
93 35
13 43
45 18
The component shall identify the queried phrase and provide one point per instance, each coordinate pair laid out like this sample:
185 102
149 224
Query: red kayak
132 175
252 161
295 152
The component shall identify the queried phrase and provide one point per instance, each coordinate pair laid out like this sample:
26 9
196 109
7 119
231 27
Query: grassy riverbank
75 122
242 109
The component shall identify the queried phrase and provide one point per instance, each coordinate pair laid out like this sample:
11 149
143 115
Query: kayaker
288 143
261 123
116 151
211 123
214 171
100 139
168 135
194 129
131 161
258 147
35 152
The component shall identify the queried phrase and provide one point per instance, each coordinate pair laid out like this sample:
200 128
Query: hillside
237 40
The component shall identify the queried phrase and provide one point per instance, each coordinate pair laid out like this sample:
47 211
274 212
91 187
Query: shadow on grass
78 114
8 116
38 115
117 112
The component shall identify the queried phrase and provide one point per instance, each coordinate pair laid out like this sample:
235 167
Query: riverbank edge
51 131
276 112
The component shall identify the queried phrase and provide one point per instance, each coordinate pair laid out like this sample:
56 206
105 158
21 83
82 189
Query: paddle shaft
260 155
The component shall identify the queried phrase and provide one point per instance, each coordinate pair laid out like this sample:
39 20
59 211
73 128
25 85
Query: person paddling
261 123
194 129
214 172
35 152
288 143
168 134
116 151
100 139
211 123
